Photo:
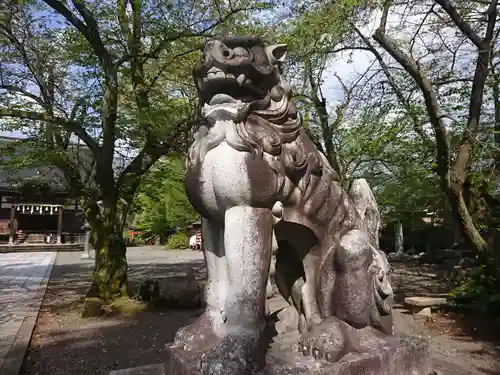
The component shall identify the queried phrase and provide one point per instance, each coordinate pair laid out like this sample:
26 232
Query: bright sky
350 64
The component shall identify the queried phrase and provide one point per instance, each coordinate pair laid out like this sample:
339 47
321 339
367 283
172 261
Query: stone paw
329 341
373 339
197 335
239 353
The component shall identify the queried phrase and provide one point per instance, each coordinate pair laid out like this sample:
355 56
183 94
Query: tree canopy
103 91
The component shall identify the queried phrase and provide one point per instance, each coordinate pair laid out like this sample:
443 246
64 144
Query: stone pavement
23 280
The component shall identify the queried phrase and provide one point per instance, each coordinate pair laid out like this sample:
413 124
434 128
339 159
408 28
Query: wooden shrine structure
37 210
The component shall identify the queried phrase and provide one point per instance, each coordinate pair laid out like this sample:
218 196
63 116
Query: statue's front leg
204 331
247 240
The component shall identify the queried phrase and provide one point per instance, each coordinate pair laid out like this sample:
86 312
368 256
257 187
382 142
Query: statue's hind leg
308 290
345 291
351 297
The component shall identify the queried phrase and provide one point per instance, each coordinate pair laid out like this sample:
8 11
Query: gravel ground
64 343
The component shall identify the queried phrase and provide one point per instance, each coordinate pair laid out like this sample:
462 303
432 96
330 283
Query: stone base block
410 357
157 369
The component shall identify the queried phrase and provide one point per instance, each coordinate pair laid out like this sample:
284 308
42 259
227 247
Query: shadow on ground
64 343
100 347
474 327
411 278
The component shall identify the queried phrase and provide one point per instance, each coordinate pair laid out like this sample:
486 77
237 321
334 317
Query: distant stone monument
253 173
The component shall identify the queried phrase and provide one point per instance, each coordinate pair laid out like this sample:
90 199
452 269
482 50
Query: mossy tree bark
110 272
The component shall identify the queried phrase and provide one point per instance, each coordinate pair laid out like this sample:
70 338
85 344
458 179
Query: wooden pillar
59 225
12 227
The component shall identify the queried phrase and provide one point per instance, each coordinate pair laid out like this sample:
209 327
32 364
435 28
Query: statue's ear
276 53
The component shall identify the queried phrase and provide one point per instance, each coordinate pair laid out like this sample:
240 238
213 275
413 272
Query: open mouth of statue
219 87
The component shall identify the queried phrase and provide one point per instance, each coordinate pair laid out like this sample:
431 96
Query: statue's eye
240 52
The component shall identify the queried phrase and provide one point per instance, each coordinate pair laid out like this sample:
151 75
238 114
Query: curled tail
363 199
365 203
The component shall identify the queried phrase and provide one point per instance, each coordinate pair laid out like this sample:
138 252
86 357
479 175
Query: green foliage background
161 203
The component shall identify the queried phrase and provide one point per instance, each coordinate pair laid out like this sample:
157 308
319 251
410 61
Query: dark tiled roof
48 174
10 181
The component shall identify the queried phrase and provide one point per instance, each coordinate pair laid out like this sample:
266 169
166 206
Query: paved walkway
23 280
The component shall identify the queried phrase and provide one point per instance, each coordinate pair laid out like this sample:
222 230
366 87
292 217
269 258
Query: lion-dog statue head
239 79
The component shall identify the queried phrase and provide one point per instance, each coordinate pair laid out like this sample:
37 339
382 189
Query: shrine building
36 210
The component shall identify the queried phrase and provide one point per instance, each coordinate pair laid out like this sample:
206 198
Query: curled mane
267 129
271 126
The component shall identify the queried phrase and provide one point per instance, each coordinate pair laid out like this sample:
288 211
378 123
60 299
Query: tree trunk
398 238
110 272
464 219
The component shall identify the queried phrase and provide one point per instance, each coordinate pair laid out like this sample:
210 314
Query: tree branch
476 97
129 178
89 29
417 123
12 88
66 124
463 25
428 92
155 52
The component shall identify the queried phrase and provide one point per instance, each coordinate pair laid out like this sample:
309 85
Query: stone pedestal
410 357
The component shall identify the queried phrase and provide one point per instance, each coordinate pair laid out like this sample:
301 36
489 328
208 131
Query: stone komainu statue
252 173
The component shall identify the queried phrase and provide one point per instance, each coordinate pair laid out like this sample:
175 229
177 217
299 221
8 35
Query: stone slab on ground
410 357
425 312
425 301
156 369
23 281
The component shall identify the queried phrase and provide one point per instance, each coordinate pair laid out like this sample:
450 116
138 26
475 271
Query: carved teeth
213 70
240 79
229 75
248 82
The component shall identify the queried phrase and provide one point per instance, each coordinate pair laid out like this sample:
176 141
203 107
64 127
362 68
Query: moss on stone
125 306
92 307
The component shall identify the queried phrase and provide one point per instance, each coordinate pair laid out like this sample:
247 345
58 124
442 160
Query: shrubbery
178 240
482 289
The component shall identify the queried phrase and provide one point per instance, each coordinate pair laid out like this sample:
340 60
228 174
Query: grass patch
125 306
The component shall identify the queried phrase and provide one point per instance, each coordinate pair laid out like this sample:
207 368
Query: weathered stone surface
92 307
254 176
156 369
410 356
425 301
181 292
425 312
